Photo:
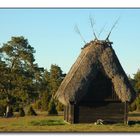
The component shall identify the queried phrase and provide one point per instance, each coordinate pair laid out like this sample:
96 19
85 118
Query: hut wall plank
110 112
126 113
71 113
68 113
65 113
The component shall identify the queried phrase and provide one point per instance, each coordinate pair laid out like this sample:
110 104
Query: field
44 123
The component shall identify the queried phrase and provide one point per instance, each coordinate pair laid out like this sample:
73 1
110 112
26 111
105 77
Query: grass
44 123
47 122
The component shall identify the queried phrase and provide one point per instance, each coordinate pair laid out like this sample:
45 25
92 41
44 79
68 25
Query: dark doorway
99 89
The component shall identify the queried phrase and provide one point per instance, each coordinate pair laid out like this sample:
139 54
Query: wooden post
126 113
71 113
65 113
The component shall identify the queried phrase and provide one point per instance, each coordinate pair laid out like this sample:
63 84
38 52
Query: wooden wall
109 112
69 113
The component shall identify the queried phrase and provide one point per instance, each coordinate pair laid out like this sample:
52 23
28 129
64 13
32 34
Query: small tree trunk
7 111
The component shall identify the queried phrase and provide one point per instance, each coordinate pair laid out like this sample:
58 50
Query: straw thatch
96 55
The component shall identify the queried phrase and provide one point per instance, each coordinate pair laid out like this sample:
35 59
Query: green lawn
44 123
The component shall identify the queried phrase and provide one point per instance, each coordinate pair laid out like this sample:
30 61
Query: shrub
2 110
137 101
60 107
21 112
37 105
2 107
16 109
132 106
31 111
52 108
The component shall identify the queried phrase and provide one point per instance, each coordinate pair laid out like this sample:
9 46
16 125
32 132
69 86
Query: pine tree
20 75
21 112
52 108
2 107
137 102
137 81
56 77
45 99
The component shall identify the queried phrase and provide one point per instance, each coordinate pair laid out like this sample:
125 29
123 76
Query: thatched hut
96 87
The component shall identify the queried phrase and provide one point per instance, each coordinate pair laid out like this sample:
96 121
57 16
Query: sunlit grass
44 123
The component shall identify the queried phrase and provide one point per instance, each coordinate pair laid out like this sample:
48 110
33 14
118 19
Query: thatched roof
96 55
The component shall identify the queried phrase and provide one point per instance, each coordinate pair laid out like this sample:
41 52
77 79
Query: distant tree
22 81
3 105
22 73
31 111
50 83
38 105
56 77
21 112
132 81
3 79
44 92
45 100
52 108
137 102
137 81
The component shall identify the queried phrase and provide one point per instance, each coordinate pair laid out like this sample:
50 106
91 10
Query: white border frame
69 3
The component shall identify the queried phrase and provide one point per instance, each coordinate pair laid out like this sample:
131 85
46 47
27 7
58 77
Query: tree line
135 82
23 82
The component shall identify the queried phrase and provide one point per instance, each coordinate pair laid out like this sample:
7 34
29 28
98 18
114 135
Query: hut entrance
100 102
100 89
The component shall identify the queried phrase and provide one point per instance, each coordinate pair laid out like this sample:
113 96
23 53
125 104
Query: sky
51 33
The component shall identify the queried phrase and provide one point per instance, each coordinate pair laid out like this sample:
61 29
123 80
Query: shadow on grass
133 122
47 122
130 123
134 115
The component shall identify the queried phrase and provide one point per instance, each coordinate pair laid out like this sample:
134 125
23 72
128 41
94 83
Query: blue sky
51 33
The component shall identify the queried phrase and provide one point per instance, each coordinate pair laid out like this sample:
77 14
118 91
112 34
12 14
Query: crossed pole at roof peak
107 39
92 26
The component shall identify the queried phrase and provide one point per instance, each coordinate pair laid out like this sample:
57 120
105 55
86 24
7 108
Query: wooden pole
71 113
126 113
65 113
